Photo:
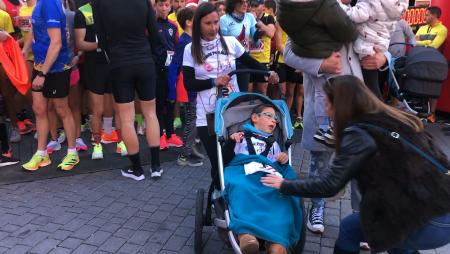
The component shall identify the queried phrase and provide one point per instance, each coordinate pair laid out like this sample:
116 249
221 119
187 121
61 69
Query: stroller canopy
424 72
233 111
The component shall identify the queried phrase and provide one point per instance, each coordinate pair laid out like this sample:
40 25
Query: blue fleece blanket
259 210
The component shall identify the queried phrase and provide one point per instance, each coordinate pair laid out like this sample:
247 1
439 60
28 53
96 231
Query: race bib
253 167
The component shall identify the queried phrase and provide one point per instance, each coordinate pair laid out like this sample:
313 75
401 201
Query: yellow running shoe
69 161
121 148
37 161
97 153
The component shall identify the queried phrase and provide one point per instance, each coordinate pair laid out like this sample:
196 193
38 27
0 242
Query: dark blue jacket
168 35
175 67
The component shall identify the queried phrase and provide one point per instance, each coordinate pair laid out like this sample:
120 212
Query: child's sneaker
298 124
156 172
7 154
319 136
177 123
69 162
61 136
37 161
80 145
24 128
190 161
97 153
110 138
329 137
14 135
163 143
7 161
175 141
53 146
121 149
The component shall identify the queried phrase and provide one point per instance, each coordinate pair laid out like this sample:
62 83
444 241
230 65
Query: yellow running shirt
6 22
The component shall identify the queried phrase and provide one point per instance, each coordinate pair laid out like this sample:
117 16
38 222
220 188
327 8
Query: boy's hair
434 10
260 108
183 15
161 1
271 4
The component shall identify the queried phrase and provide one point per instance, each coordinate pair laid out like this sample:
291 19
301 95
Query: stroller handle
222 92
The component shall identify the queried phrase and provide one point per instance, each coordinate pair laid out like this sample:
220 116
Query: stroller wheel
199 221
300 245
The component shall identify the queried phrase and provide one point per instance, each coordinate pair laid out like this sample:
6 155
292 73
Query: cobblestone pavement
105 213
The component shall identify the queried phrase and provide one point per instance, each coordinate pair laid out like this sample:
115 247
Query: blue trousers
433 235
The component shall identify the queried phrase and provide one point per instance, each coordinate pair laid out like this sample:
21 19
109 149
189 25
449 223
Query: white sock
72 151
42 152
107 125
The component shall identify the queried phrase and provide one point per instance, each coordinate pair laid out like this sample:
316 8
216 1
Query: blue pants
433 235
320 162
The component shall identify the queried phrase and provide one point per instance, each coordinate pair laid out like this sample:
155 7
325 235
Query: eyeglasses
270 116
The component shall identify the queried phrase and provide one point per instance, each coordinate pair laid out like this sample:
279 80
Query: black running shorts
97 78
288 74
128 80
56 85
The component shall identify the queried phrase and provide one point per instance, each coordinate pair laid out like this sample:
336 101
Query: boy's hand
272 181
237 137
282 158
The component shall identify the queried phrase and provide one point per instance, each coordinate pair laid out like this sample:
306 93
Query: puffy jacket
376 21
400 190
317 27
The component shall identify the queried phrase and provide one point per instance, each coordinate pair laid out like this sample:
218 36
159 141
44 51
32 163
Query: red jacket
13 63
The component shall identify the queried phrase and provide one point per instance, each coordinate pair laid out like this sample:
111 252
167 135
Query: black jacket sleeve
356 147
195 85
152 29
228 151
250 62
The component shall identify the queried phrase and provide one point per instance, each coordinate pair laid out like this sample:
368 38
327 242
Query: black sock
4 138
154 151
135 161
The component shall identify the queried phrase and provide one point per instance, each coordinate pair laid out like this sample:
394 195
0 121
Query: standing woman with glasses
242 25
51 80
206 63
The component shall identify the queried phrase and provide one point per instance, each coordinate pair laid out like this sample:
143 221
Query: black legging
164 108
371 80
209 142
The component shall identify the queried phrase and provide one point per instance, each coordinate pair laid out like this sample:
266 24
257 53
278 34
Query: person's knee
276 249
62 109
39 109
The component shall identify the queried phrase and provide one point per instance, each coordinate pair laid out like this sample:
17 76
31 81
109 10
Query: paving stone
19 249
70 243
130 248
84 232
61 234
34 238
74 225
113 244
85 249
175 243
140 237
60 250
45 246
151 248
10 228
134 223
98 238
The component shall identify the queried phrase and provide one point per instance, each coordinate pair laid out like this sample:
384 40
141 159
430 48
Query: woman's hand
272 181
282 158
222 80
374 62
273 78
332 64
38 83
237 137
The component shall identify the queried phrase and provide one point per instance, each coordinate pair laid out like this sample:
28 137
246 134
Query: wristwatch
41 74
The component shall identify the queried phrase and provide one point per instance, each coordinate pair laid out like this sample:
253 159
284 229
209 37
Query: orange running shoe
111 138
175 141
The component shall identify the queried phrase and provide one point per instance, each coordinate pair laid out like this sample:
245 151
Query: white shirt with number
216 63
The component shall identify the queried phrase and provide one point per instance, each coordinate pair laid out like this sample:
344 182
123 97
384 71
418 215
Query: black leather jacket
357 147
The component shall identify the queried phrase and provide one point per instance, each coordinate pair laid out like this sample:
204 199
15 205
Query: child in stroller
257 139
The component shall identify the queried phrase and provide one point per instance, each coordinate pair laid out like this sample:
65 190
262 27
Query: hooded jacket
401 191
317 27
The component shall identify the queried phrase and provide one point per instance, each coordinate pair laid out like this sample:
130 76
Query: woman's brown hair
351 99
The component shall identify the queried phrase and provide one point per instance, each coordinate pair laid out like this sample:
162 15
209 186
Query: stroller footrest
220 223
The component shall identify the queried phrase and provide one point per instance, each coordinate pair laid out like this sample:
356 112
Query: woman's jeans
433 235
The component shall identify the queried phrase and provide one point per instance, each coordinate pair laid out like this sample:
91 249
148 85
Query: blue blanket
259 210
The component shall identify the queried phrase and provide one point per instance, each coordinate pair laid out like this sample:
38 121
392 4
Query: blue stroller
231 113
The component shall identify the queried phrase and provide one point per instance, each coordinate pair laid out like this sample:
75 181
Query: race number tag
169 57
